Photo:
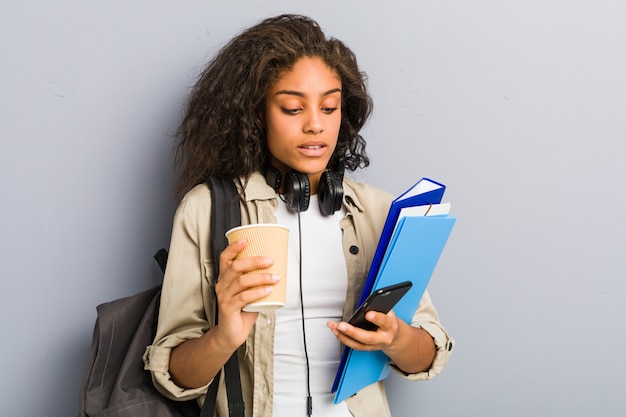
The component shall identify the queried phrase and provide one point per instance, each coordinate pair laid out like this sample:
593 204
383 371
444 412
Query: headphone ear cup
297 191
330 192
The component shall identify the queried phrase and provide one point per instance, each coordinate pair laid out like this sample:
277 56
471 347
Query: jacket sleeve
186 295
426 317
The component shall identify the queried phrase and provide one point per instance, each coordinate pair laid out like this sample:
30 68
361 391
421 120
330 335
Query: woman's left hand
412 349
356 338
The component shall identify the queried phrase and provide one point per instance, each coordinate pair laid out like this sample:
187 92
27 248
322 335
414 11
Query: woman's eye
291 111
328 110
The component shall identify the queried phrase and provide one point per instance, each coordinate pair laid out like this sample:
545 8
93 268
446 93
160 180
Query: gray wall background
517 106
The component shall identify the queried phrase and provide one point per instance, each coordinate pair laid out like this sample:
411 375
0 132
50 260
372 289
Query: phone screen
381 300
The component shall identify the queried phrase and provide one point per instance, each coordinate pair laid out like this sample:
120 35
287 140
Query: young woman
281 103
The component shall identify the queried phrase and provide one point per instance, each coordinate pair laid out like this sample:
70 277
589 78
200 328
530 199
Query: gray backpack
115 383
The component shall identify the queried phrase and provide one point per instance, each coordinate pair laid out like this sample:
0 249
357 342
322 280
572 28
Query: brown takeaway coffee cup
269 240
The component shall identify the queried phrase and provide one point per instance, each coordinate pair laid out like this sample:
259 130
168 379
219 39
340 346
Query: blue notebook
411 252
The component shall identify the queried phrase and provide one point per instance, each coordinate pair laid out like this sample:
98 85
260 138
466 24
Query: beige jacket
187 301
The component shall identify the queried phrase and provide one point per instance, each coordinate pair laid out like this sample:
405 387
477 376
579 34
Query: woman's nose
314 122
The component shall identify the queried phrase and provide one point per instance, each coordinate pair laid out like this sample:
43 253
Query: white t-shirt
324 282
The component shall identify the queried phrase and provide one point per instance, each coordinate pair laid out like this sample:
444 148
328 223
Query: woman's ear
260 120
259 126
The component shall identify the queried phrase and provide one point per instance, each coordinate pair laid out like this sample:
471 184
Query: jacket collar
257 188
350 195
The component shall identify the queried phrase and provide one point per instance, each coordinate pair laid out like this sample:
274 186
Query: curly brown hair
222 133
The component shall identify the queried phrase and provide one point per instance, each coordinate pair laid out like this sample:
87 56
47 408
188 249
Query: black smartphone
381 300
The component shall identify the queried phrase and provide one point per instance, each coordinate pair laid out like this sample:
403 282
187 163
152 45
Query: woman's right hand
236 287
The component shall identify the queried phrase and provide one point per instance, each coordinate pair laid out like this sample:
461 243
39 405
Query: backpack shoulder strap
225 214
161 258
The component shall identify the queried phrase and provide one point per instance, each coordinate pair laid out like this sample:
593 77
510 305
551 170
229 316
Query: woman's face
303 117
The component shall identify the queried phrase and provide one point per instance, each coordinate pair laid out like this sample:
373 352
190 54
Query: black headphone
297 189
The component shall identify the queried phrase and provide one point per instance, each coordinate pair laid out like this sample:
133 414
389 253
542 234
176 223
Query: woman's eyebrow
301 94
332 91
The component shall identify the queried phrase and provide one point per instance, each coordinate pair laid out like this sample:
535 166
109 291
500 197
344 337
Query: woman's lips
312 150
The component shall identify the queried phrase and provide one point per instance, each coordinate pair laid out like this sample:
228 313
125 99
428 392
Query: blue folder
423 192
411 251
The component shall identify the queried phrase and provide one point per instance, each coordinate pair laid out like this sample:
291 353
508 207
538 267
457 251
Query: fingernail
275 277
